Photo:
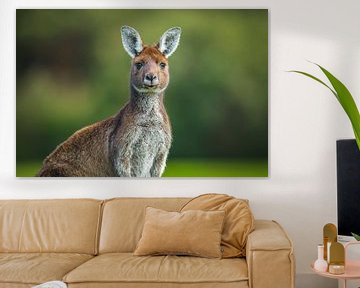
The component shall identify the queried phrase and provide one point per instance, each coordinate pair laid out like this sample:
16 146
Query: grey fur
169 41
141 149
131 41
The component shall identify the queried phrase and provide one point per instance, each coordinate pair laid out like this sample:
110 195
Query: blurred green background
72 71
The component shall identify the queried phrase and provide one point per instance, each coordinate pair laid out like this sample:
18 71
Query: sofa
90 243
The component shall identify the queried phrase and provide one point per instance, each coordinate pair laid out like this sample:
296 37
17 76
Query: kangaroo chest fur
148 141
145 140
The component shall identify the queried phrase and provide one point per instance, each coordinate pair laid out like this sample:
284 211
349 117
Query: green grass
186 168
27 169
216 168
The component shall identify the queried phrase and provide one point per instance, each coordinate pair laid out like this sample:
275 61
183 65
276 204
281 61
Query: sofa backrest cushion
239 220
64 226
193 232
123 220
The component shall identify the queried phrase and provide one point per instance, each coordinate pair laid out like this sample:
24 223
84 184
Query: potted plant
357 237
348 158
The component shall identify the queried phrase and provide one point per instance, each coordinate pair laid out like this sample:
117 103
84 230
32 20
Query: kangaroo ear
169 41
131 41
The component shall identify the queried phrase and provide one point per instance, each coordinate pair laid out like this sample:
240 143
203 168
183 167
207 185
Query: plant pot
348 187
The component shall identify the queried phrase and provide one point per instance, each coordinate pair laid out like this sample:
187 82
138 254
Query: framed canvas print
142 93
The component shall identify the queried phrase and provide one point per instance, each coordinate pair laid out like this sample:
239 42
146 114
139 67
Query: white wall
305 120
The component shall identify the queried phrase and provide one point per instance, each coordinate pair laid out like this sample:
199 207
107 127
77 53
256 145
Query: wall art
142 93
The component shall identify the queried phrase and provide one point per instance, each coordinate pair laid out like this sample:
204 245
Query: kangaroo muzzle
151 80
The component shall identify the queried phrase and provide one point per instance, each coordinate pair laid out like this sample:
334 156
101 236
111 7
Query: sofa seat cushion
242 284
36 268
127 268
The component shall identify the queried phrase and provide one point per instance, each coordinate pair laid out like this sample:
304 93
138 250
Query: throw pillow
196 233
239 220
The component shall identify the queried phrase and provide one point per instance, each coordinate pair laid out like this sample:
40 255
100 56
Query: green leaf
357 237
343 96
316 79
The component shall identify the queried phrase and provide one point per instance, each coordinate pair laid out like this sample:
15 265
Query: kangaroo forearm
123 163
159 165
122 169
156 171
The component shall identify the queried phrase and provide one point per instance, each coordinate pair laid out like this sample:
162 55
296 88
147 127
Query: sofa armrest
269 256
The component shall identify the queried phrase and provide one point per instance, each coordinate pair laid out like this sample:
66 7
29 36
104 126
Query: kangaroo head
149 67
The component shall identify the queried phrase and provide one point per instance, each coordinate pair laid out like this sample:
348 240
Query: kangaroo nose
150 77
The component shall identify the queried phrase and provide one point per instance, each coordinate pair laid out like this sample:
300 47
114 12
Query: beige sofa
89 243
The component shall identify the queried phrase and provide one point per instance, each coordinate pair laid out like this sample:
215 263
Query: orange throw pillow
239 221
196 233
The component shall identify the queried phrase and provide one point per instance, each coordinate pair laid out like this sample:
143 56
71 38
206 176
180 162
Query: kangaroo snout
151 79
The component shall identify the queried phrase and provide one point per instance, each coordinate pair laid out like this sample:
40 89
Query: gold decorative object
337 254
337 258
330 236
336 269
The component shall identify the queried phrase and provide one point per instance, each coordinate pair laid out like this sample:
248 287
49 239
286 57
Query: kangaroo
136 141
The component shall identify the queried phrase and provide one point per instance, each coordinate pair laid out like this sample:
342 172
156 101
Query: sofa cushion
239 220
63 226
193 232
15 285
123 220
126 268
36 268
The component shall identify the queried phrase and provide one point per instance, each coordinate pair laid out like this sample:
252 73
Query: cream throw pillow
193 232
238 223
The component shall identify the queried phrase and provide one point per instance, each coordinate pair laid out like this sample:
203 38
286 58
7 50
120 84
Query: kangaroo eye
162 65
138 65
